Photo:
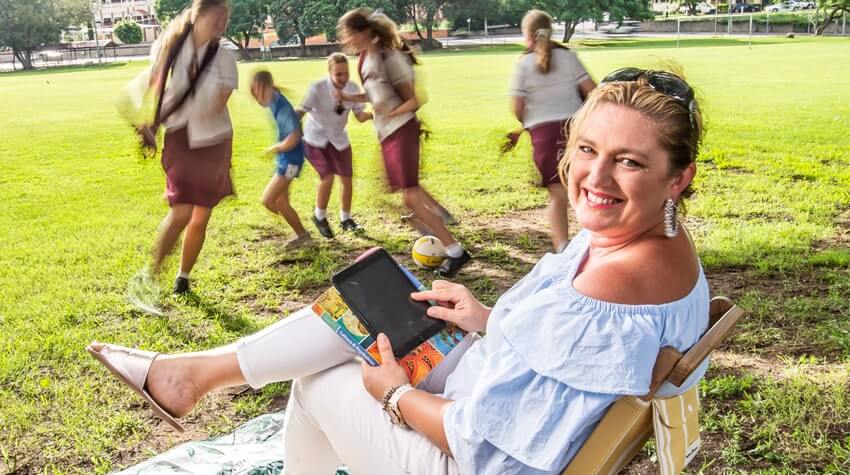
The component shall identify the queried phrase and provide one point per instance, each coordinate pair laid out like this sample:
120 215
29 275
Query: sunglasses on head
666 83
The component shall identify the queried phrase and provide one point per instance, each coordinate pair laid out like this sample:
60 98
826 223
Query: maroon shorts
548 141
199 176
328 160
401 156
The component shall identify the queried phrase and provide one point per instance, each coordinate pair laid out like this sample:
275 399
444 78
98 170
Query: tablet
378 293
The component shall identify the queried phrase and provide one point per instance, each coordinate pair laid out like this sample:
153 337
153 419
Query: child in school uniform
198 139
289 155
386 71
326 141
548 86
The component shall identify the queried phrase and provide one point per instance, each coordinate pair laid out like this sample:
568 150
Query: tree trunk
302 40
416 22
828 19
25 57
569 30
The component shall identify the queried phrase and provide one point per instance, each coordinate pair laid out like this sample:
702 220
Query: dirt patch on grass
841 239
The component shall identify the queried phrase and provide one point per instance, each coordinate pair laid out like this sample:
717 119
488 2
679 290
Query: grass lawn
771 219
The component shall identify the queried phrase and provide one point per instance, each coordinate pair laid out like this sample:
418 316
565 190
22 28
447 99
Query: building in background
109 12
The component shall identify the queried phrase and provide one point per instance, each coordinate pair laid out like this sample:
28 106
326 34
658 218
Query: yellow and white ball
428 252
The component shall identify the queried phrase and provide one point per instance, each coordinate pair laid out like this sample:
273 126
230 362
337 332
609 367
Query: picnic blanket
254 448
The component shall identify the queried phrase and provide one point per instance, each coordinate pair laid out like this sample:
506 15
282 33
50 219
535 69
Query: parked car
623 27
743 8
702 7
804 5
786 6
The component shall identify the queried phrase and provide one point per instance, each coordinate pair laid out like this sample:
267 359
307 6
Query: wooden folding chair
630 422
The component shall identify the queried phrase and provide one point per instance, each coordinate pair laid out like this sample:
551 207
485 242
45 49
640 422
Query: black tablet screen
379 293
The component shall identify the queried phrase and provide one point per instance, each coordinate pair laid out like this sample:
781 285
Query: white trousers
330 419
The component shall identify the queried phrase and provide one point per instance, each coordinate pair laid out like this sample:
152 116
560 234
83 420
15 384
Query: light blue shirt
528 395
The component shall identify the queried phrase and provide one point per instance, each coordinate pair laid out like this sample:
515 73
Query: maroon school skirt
548 141
328 160
401 156
199 176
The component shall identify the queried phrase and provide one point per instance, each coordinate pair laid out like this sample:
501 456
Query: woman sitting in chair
577 333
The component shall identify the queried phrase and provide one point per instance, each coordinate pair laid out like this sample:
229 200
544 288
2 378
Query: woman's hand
379 379
457 305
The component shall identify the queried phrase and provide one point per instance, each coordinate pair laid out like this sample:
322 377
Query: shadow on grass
46 71
671 43
238 325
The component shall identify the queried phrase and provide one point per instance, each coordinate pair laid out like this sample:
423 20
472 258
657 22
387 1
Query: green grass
80 212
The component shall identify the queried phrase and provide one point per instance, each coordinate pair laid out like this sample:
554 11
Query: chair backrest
673 366
627 425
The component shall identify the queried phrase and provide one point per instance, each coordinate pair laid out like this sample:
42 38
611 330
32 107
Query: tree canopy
128 31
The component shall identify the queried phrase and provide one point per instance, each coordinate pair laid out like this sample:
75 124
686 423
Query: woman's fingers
385 349
442 295
443 284
442 313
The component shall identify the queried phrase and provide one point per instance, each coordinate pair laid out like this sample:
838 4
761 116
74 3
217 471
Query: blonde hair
337 58
538 25
379 26
678 128
178 26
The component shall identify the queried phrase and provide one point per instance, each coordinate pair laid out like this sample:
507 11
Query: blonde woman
579 331
548 86
198 136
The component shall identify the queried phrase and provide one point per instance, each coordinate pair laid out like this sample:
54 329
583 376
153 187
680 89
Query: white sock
320 213
182 274
454 250
344 215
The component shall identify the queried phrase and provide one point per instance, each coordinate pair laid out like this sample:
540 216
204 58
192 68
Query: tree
168 9
129 32
430 9
74 12
832 10
301 19
247 20
692 5
26 24
315 17
475 10
573 12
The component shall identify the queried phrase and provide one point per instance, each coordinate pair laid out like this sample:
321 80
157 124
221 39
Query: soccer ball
428 252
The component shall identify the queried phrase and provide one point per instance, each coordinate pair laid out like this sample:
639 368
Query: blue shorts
287 169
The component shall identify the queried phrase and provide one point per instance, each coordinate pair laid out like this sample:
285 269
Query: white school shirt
204 127
552 96
380 73
323 124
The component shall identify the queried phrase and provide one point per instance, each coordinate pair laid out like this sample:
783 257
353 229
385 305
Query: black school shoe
351 226
181 286
323 227
452 265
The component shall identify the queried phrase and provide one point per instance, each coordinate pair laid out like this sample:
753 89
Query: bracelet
387 395
392 405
